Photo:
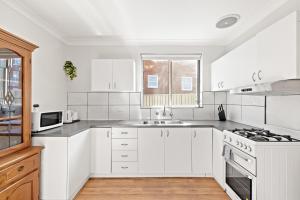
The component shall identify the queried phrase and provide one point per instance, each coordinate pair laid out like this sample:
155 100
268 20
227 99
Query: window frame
170 57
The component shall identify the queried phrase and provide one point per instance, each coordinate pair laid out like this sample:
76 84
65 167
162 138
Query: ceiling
143 21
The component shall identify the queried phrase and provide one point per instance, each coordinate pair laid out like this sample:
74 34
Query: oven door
240 184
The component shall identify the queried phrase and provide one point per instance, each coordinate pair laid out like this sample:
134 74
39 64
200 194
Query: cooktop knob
249 148
245 146
230 139
241 145
237 142
225 136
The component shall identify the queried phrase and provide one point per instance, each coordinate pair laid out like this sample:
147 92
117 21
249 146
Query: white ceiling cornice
37 20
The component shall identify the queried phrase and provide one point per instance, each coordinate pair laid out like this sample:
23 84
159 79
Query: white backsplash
127 106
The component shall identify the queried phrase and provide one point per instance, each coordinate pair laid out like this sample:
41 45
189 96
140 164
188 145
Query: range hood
278 88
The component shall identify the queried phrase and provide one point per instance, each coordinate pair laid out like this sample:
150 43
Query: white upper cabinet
113 75
101 75
277 50
123 75
272 55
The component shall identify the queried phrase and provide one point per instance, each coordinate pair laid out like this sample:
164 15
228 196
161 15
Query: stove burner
261 135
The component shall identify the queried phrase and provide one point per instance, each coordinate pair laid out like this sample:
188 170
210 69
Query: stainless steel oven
240 174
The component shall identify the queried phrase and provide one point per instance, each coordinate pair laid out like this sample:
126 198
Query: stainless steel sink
157 123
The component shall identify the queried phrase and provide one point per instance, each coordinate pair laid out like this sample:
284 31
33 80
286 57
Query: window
171 80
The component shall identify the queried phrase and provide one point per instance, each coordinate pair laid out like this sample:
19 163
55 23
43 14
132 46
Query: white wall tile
97 98
135 98
208 98
98 112
253 100
216 111
283 111
234 113
183 113
137 113
234 99
77 98
119 112
121 98
220 98
253 115
160 113
205 113
82 111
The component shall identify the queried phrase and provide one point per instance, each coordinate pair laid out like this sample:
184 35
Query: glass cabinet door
10 99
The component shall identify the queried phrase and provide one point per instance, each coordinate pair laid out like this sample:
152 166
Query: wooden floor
152 189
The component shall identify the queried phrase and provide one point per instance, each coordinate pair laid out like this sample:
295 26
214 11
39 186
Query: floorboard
152 189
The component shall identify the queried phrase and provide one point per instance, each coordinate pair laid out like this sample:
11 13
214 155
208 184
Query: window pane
184 82
156 83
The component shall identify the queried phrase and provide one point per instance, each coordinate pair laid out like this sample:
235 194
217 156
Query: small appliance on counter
44 120
221 113
70 117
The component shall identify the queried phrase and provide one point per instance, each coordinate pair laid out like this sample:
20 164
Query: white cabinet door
78 161
101 75
202 151
54 166
100 151
151 150
178 151
218 160
123 75
277 50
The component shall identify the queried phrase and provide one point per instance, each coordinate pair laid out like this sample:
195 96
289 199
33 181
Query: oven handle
240 169
235 153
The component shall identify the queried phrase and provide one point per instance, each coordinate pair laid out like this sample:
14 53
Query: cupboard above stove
271 55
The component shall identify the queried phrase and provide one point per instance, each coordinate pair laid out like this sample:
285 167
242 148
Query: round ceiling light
228 21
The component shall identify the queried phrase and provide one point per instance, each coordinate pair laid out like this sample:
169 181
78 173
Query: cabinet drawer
124 167
124 144
124 133
19 170
124 156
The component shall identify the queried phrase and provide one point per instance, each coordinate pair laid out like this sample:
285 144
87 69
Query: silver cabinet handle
107 134
124 144
168 133
124 133
124 156
259 75
124 167
195 134
161 133
222 84
219 85
253 77
108 85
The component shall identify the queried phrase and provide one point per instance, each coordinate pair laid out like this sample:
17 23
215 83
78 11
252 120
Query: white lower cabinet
202 147
100 151
178 151
218 160
65 165
151 151
79 162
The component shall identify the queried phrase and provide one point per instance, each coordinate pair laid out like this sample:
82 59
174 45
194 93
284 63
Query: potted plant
70 70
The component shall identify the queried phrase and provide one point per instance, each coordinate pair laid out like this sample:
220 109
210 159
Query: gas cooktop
261 135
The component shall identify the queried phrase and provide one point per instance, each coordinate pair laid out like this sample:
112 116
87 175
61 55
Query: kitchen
150 99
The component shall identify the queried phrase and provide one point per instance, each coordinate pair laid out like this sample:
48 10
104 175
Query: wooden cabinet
272 55
113 75
178 151
202 151
218 160
26 188
100 151
19 174
151 150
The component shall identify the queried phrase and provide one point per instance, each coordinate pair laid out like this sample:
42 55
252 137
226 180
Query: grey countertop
68 130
